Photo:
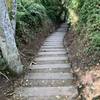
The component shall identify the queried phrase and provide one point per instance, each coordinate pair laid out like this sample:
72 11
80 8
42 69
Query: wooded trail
50 78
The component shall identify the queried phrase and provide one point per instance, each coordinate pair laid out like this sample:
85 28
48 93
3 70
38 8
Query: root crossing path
50 78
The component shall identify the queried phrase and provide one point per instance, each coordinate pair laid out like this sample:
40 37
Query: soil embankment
87 77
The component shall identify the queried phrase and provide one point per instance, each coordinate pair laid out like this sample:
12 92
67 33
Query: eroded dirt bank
87 77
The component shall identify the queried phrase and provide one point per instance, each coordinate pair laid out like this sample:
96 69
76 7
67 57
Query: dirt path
50 78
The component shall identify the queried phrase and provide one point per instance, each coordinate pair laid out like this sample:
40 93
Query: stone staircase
50 78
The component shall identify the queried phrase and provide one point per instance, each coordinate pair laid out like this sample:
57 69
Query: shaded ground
89 83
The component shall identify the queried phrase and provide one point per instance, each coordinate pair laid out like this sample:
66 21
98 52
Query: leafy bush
34 14
31 17
88 28
55 9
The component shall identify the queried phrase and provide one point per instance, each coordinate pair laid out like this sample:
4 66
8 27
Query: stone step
52 62
57 35
46 91
52 53
48 46
49 42
46 66
45 58
46 83
61 30
58 55
44 98
49 98
60 38
52 50
54 41
49 76
53 38
49 70
52 44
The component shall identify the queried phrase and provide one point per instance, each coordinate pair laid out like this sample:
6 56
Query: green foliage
37 10
88 27
73 4
33 14
55 9
30 17
90 18
9 4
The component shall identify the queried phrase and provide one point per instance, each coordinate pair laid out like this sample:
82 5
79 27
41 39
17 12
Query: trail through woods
50 78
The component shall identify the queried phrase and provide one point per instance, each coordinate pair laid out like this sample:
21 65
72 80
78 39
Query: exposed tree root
4 75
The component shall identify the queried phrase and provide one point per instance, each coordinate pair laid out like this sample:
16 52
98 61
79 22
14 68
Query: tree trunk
12 55
3 46
14 11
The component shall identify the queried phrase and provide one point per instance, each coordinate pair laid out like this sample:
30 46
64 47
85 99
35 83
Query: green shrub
55 9
31 17
33 14
88 27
